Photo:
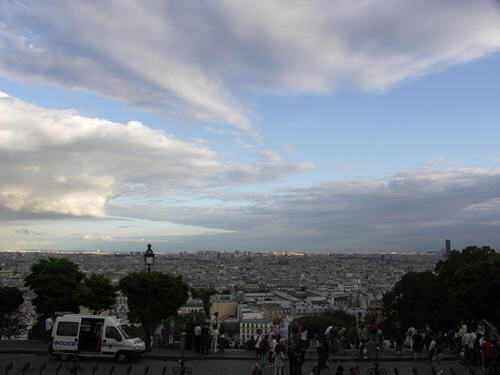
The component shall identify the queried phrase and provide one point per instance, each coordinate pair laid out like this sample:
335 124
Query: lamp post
149 259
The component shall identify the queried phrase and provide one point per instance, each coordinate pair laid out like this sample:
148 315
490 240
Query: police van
94 336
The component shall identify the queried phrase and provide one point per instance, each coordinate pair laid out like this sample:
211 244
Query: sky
249 125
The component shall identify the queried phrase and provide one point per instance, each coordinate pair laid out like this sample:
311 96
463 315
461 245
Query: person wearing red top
487 352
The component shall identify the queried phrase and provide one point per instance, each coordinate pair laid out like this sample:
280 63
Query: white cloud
55 162
191 60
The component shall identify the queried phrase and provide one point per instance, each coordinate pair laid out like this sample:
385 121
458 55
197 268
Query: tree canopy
461 288
96 293
11 298
168 293
319 323
54 281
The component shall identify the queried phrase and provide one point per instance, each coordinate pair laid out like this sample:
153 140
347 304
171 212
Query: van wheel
121 357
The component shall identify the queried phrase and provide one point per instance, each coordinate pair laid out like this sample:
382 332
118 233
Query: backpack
264 345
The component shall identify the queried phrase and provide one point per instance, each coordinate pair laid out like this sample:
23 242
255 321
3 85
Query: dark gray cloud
412 210
192 59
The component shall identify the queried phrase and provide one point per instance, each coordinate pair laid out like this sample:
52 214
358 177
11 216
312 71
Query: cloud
27 232
193 60
413 209
57 163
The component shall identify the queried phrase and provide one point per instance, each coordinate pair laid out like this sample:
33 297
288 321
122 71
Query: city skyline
310 126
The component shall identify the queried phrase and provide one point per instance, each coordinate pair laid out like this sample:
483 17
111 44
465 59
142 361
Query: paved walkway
40 348
13 364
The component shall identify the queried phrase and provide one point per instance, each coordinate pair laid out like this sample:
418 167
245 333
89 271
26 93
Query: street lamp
149 259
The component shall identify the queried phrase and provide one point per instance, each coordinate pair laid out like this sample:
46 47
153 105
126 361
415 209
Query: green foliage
463 287
54 281
473 283
204 295
184 321
11 298
414 299
319 323
168 293
96 293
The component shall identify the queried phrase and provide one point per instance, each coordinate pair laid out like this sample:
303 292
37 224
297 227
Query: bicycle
377 370
182 370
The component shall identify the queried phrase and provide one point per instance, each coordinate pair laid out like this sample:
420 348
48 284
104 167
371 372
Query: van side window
112 333
67 329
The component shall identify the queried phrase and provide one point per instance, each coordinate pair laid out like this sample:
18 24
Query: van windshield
125 330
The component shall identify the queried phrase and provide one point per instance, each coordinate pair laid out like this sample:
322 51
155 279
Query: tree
168 293
461 288
11 298
414 300
55 281
96 293
189 320
471 280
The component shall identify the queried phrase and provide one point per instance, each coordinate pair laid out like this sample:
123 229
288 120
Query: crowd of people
273 347
475 343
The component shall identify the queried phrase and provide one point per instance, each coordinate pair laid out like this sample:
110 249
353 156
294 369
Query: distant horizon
268 252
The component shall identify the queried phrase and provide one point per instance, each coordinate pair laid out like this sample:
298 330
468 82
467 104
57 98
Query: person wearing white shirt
49 324
215 338
272 350
328 330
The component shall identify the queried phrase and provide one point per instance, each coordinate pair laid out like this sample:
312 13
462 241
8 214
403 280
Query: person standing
283 332
215 338
311 336
487 353
205 339
222 337
272 351
322 350
292 357
400 335
418 345
468 345
264 349
492 333
435 351
258 342
279 358
49 325
303 338
197 338
98 335
158 335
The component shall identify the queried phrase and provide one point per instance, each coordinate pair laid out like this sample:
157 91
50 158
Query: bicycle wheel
178 371
371 371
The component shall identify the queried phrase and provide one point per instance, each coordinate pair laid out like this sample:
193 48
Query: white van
94 336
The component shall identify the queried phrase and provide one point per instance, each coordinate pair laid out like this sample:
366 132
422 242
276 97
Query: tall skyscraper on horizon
447 248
